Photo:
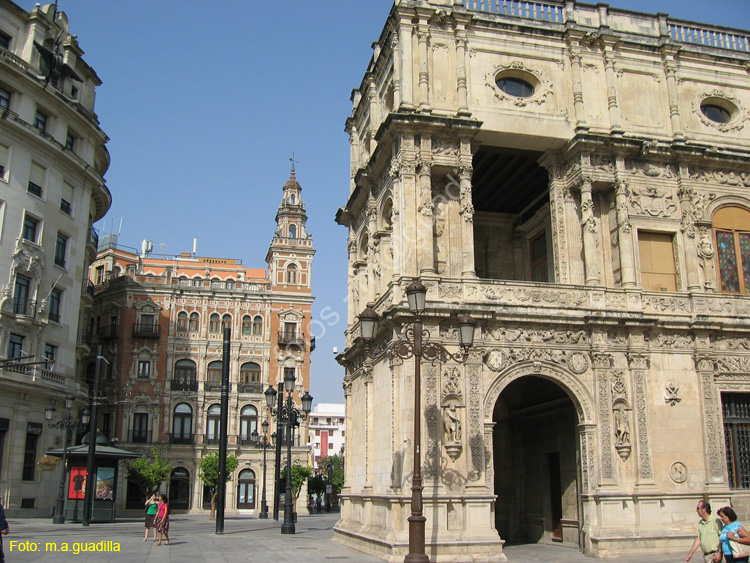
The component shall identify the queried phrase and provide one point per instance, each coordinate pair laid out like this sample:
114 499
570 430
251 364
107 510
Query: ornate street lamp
263 442
415 343
288 415
67 424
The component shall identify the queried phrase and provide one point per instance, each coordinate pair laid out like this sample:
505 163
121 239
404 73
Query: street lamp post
415 343
262 442
288 416
67 425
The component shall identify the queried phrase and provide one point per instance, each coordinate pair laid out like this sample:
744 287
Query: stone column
406 79
624 235
602 363
425 216
574 53
639 364
396 223
608 44
396 53
589 232
668 55
423 35
712 427
466 212
688 228
463 98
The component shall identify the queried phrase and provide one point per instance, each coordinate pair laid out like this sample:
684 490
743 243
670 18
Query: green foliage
149 473
209 469
300 474
337 470
316 485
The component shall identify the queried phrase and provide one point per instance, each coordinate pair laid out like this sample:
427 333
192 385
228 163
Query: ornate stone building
577 178
52 162
160 322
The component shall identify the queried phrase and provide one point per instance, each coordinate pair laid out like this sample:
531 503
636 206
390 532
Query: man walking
708 535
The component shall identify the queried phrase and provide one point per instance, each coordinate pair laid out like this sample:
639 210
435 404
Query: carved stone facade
572 177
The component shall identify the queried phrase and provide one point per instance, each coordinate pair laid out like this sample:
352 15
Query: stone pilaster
589 232
712 427
639 364
574 53
624 234
425 214
603 363
669 58
423 36
608 50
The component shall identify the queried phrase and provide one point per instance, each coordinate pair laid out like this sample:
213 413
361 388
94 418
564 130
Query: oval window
515 87
716 113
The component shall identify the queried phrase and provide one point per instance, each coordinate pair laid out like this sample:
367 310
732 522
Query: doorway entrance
179 489
535 463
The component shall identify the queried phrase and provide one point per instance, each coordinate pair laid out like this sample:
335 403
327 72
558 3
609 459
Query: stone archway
539 416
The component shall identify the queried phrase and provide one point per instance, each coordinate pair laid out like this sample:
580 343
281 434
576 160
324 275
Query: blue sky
205 102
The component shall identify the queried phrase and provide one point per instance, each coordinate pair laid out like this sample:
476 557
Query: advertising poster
77 483
105 483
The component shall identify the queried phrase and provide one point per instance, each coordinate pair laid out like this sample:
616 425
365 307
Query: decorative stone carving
672 394
542 88
678 472
452 432
652 202
622 429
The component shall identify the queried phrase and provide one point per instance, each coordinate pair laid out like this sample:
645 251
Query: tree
300 474
316 485
337 470
149 473
209 474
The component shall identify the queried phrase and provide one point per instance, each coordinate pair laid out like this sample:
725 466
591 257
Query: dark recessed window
716 113
4 41
515 87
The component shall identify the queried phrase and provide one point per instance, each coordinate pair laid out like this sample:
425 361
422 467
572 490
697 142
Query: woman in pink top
161 522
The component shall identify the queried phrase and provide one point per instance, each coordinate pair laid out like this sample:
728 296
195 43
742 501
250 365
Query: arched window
184 376
732 228
250 378
213 419
214 323
182 319
291 273
292 199
195 321
182 424
246 489
226 321
247 324
248 423
292 231
213 377
258 326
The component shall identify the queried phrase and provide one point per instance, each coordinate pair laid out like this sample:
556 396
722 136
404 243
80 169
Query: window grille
736 412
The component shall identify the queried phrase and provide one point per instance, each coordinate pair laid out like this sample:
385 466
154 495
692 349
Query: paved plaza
244 539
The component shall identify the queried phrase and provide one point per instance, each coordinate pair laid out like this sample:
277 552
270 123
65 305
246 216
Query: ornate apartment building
577 178
52 162
160 321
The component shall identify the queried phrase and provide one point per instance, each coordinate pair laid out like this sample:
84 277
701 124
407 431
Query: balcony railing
109 332
85 337
140 437
184 385
183 438
146 330
214 387
250 387
709 37
519 8
24 306
36 373
211 438
292 339
93 238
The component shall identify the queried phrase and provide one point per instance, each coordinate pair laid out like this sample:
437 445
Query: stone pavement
245 539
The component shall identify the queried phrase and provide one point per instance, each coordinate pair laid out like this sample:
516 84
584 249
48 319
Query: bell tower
291 251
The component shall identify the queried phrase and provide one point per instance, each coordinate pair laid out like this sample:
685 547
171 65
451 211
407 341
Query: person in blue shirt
732 531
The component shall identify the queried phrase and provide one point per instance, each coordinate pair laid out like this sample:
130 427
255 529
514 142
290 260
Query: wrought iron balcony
24 306
182 438
250 387
184 385
292 339
146 330
139 437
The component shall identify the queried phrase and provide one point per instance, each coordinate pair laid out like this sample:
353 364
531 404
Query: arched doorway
535 452
246 489
179 489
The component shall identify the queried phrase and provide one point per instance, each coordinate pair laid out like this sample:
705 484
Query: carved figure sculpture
452 425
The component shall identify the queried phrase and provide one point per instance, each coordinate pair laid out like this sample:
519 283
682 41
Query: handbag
739 549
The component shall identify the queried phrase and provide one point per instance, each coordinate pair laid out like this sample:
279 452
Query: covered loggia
535 463
510 195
